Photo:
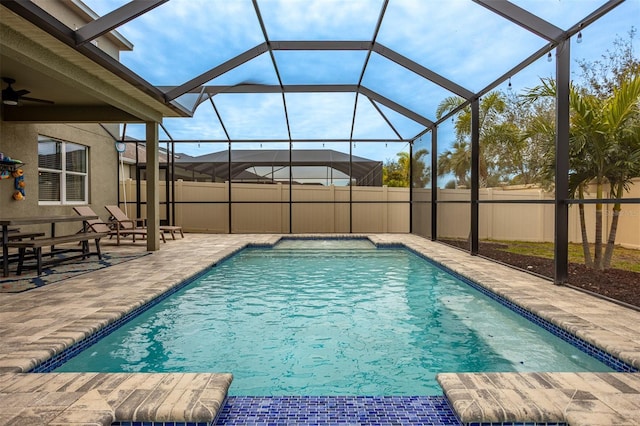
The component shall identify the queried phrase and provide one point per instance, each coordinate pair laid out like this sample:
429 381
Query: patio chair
126 223
97 225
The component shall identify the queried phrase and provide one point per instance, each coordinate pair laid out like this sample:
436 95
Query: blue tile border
588 348
337 410
59 359
162 424
357 410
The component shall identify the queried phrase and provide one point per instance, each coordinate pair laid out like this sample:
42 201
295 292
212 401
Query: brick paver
39 323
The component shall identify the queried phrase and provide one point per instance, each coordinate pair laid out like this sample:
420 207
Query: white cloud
256 116
320 115
320 19
320 67
404 86
203 125
181 39
458 39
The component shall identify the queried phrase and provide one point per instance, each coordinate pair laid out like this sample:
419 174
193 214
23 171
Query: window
62 172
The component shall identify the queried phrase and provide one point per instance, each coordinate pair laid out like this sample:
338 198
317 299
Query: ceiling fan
13 97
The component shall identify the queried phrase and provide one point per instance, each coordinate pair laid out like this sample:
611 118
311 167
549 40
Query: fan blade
42 101
21 93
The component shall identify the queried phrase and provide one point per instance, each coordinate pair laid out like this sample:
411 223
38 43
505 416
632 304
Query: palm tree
403 161
421 172
491 130
456 161
622 114
604 147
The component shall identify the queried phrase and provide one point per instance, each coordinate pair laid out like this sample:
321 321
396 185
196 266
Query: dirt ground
620 285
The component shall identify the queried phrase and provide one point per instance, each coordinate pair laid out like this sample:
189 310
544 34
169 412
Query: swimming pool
307 318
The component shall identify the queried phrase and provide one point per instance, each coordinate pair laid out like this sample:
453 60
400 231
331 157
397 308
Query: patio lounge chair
126 223
97 225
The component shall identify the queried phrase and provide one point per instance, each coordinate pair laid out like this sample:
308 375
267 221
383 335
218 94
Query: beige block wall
500 221
533 222
422 212
628 233
260 208
529 222
21 141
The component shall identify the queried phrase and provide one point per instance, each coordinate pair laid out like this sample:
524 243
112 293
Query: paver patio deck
39 323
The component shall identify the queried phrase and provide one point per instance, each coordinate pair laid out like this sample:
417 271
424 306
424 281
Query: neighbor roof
362 170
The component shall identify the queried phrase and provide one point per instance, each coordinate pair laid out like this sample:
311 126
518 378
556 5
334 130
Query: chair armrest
120 224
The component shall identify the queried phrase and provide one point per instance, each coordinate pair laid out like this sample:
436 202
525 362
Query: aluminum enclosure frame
557 39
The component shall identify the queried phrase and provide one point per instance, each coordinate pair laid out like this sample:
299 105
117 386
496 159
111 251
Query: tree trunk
597 258
588 261
611 241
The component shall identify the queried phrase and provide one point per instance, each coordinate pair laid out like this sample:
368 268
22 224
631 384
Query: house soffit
81 88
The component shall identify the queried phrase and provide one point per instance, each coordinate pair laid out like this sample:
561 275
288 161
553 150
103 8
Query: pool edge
422 241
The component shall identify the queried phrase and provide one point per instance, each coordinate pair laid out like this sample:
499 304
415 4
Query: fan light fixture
13 97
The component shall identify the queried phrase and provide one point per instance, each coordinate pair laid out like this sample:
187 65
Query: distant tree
451 184
396 173
617 65
527 142
421 172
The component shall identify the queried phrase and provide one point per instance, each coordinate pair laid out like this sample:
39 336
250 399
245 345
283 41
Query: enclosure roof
242 160
321 69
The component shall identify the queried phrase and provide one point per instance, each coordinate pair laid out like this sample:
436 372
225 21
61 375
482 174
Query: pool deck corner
40 323
103 398
574 398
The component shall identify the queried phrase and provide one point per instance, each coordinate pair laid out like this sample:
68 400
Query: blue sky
457 39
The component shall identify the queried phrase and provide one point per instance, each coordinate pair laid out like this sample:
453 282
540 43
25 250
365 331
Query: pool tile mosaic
159 424
337 410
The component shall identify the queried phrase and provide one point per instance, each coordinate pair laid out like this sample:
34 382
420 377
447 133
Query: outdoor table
35 220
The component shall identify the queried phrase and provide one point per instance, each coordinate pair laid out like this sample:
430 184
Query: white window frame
63 173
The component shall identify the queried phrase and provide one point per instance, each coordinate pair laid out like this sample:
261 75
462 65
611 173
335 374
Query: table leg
5 250
53 234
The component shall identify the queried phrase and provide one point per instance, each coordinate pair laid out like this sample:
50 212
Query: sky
457 39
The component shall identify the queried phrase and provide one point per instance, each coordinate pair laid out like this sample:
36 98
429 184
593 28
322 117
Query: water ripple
329 322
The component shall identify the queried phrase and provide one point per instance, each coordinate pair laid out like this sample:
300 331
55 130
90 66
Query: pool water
330 318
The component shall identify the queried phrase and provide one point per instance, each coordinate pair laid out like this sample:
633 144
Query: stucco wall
21 141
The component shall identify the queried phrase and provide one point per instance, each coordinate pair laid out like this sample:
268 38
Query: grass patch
623 258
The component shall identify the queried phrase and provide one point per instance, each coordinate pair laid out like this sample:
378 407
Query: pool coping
32 331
